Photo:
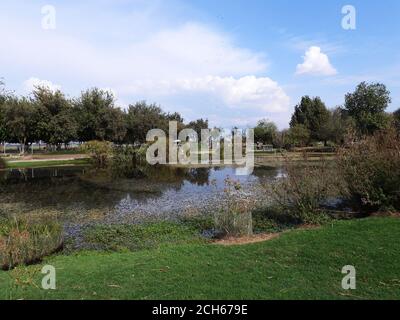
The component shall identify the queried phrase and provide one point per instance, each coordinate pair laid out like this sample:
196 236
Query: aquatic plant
28 239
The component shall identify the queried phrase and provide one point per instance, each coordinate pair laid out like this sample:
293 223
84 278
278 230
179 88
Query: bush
302 191
234 218
99 151
371 169
24 240
3 163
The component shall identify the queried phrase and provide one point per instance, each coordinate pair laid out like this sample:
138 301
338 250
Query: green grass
301 264
138 237
43 164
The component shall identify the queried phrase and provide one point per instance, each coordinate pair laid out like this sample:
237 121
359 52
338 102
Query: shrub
3 163
24 240
99 151
234 218
302 191
371 169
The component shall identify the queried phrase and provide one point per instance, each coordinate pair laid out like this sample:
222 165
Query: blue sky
233 62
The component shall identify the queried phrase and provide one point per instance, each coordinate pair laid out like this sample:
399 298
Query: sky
233 62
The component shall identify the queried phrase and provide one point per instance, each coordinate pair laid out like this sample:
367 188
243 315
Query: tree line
363 112
49 116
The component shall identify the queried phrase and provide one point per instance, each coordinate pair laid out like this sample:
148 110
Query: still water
81 195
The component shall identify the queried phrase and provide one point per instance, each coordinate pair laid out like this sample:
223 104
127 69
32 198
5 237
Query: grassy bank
46 163
301 264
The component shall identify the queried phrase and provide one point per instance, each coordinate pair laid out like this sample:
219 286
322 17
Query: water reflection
80 193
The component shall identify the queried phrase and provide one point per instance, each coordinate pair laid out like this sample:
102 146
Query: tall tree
98 117
143 117
367 105
198 125
396 116
265 132
56 123
20 121
313 115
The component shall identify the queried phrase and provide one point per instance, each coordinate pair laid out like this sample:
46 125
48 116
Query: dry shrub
303 189
234 218
370 167
27 240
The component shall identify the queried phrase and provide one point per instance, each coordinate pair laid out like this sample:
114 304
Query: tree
265 132
367 105
336 127
298 135
143 117
313 115
4 96
98 117
198 125
396 116
56 122
20 121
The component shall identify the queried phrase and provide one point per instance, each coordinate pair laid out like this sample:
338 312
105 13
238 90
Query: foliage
127 160
304 188
99 151
98 117
371 169
396 116
197 126
143 117
298 136
366 105
234 218
138 237
265 132
27 240
309 261
19 118
56 122
313 115
3 163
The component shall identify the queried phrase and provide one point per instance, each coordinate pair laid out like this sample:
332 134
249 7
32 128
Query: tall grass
370 167
234 217
27 240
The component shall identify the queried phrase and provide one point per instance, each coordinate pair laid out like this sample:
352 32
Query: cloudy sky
231 61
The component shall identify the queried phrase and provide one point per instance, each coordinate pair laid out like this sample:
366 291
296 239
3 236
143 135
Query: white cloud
316 63
248 92
32 83
189 67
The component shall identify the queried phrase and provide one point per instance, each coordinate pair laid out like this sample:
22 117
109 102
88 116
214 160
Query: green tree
312 114
56 122
367 105
265 132
4 95
298 135
336 126
396 116
98 117
20 121
198 125
143 117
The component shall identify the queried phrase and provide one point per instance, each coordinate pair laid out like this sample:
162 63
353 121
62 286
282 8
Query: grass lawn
300 264
45 164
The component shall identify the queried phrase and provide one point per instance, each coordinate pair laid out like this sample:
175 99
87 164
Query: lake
81 195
